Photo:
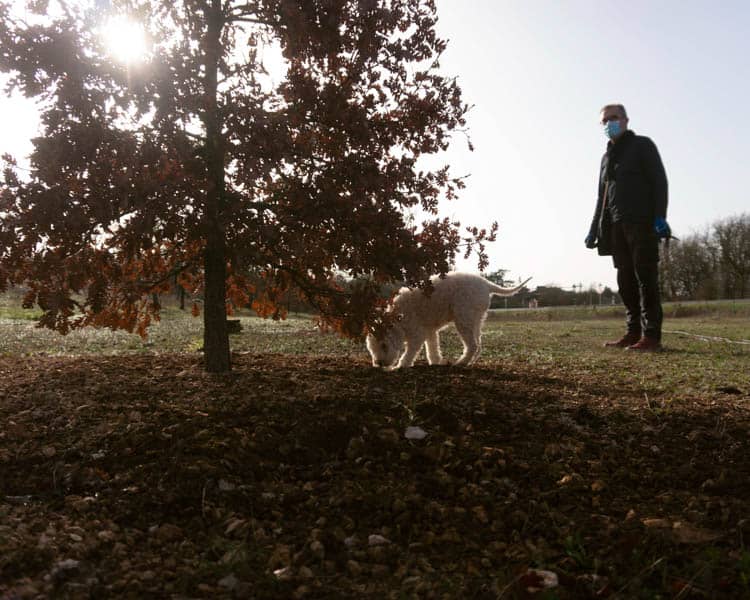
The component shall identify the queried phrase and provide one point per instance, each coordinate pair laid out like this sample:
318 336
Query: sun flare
125 39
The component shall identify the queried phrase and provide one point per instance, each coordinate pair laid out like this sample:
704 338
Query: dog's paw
439 363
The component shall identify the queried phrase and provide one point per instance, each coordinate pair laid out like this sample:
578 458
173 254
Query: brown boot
627 340
646 344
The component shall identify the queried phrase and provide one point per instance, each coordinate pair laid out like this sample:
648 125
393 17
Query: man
630 217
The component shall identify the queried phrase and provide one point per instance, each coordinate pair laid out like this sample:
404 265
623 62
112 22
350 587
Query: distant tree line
709 265
550 295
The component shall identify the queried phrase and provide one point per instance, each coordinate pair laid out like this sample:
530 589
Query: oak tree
203 165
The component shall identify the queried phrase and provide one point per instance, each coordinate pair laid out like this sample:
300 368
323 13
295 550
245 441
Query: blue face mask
612 129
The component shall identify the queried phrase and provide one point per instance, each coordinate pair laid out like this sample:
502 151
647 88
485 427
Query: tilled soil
293 477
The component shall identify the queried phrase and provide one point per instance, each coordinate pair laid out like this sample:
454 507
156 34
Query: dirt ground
304 477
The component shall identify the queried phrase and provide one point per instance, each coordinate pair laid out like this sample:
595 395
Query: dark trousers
636 258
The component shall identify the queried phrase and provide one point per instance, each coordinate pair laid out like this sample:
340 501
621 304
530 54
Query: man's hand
591 240
662 228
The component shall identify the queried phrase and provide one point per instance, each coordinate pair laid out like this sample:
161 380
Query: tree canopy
711 264
200 166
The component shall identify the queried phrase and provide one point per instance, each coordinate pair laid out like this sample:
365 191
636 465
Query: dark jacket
633 174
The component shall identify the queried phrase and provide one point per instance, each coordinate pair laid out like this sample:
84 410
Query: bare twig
648 569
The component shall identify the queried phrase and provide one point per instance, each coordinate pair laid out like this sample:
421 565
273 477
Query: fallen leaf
536 580
657 523
685 533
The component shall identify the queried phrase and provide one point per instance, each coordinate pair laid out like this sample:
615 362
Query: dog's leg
432 347
478 340
412 349
469 334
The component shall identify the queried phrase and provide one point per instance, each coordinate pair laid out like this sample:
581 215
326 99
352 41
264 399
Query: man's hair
619 107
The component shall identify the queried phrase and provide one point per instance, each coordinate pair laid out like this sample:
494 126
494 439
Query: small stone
377 540
389 436
380 571
283 574
354 567
415 433
49 451
67 564
480 514
120 549
571 478
64 569
168 533
317 549
280 557
230 582
226 486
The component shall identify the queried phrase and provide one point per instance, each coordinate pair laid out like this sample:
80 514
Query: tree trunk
215 333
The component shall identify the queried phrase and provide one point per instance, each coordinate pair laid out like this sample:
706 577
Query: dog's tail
501 291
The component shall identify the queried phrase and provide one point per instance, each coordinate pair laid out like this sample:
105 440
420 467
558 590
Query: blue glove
662 228
591 240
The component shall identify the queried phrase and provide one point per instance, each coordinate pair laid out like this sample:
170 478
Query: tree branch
233 19
171 273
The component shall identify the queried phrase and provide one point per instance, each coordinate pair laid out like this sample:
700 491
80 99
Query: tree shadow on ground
274 478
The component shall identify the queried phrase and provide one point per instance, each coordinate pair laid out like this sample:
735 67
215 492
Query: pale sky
537 73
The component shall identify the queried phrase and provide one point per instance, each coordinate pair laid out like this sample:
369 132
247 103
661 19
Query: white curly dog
459 298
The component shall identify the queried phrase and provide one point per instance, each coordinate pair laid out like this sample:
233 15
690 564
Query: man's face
614 114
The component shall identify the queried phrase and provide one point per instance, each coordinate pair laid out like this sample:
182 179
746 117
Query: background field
707 343
126 470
